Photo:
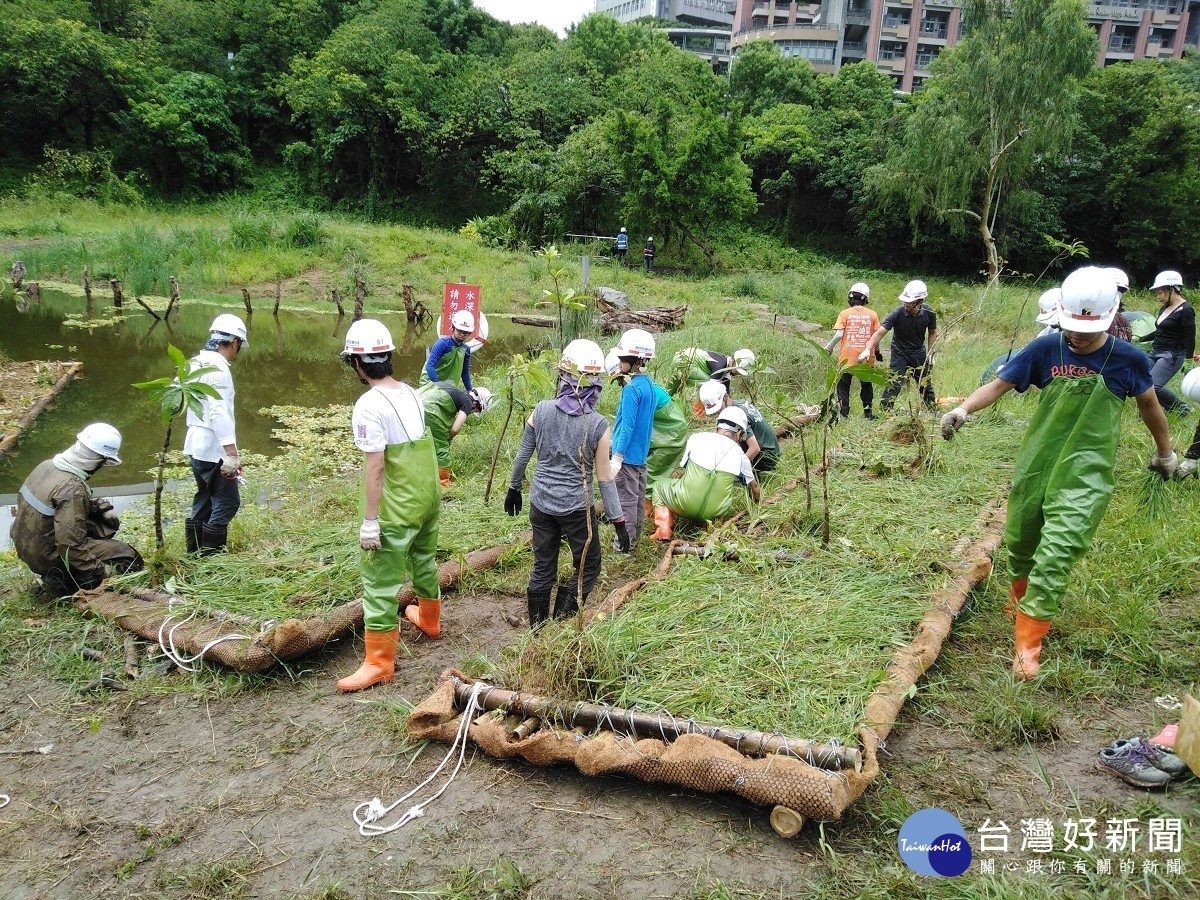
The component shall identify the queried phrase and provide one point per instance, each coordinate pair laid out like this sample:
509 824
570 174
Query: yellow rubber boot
1028 633
664 521
426 615
1015 595
444 477
379 661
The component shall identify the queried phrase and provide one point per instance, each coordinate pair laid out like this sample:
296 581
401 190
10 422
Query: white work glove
231 465
614 464
1164 465
864 356
113 521
1186 467
368 535
952 421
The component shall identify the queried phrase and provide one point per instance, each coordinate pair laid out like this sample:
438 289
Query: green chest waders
667 441
1063 482
449 367
408 527
440 413
701 494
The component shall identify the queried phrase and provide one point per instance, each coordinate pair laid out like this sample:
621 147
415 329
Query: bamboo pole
660 725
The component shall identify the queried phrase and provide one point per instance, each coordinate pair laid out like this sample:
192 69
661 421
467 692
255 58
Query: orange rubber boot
1015 595
1028 633
426 615
379 661
649 510
664 520
444 477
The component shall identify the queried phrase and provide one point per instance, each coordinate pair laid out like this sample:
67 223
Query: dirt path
251 795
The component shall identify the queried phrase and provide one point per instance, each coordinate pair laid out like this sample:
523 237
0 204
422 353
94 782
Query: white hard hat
1170 278
1048 307
368 338
742 361
1089 301
612 362
913 291
582 357
462 321
1191 385
712 396
622 229
860 287
636 342
231 326
1119 276
103 439
483 397
735 417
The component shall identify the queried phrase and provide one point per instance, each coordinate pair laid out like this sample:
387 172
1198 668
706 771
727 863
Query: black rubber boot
539 607
191 534
213 538
566 602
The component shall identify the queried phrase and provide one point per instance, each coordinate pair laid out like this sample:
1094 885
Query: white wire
5 800
372 811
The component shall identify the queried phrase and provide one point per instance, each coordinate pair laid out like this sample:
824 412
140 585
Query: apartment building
903 37
705 25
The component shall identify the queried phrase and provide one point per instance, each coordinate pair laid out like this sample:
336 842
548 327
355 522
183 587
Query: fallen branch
9 441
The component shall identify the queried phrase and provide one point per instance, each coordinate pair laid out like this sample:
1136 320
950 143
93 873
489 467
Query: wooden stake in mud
17 274
360 295
337 298
246 302
118 297
278 293
87 288
662 726
33 292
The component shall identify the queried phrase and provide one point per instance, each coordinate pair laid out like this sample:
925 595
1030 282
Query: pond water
292 359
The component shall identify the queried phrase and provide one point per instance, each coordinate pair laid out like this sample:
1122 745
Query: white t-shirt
714 451
384 416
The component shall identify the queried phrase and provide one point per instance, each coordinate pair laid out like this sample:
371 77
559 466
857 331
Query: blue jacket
635 421
440 348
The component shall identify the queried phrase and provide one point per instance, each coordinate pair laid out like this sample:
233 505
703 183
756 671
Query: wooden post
118 297
33 292
278 294
87 288
246 301
142 303
174 297
337 298
17 274
360 294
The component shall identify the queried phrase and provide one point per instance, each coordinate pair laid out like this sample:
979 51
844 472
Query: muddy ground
251 795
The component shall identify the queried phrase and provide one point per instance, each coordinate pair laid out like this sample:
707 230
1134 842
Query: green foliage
181 392
563 298
88 175
762 77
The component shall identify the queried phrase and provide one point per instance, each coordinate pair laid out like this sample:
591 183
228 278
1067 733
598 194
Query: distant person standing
1120 328
914 328
211 441
450 356
853 329
622 245
648 254
1174 339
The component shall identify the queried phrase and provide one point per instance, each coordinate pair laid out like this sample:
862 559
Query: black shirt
908 332
1177 332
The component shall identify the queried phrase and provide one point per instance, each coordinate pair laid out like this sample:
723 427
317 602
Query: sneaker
1159 758
1132 765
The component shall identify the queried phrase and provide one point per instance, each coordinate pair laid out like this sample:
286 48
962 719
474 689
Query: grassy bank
790 636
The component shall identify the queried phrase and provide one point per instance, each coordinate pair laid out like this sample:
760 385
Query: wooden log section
663 726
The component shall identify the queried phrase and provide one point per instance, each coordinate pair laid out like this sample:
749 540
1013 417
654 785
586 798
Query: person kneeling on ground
572 441
702 489
760 444
63 534
1063 477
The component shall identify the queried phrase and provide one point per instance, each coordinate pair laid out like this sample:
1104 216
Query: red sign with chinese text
456 297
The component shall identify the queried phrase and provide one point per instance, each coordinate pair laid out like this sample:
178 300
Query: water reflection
292 359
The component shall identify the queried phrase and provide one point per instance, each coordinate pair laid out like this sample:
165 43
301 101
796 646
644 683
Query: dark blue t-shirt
1126 369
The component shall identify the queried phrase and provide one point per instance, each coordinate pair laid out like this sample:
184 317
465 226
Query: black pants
904 367
217 498
866 391
548 534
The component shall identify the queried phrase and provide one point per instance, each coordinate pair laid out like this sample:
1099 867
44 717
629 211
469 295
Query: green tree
174 395
762 77
782 154
998 104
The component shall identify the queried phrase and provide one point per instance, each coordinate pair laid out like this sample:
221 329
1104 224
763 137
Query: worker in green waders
401 502
713 467
450 356
668 436
446 411
693 366
1063 478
